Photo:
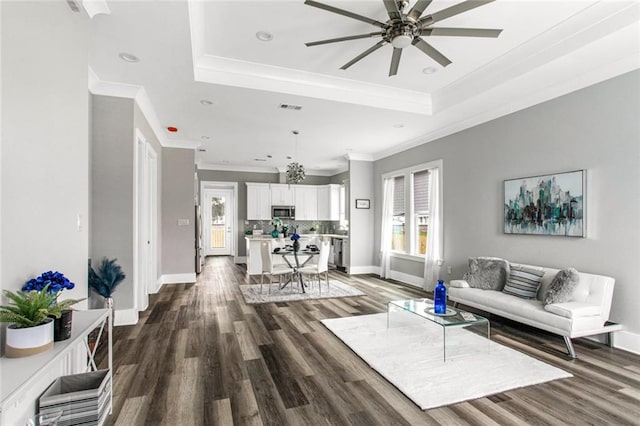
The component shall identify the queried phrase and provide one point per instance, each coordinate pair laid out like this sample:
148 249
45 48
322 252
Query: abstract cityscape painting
546 205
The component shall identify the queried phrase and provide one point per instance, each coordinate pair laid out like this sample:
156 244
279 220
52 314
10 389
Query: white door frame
206 225
145 221
152 233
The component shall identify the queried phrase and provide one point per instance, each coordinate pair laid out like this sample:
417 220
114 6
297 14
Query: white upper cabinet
329 202
306 202
258 201
282 195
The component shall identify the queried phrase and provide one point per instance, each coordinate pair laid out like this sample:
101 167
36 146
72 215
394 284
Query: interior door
219 221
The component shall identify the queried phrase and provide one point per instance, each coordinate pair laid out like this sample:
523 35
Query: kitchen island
254 259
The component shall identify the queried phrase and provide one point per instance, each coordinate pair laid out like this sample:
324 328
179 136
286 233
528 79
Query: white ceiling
190 51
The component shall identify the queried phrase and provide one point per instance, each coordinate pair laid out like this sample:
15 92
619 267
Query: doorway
218 207
145 258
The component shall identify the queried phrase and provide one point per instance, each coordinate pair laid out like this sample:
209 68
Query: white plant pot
29 341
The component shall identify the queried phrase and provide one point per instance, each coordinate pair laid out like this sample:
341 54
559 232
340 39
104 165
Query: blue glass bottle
440 298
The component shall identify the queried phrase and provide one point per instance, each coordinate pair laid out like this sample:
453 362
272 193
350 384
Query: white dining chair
321 266
269 267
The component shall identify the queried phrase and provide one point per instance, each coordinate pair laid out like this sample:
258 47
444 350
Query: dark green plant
27 308
107 278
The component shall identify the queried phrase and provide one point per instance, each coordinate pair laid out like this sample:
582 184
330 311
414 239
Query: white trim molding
125 317
359 270
626 340
406 278
186 278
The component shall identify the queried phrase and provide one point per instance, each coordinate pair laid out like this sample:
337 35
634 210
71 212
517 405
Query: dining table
287 254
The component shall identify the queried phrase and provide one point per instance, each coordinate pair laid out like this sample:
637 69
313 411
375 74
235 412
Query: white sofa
586 314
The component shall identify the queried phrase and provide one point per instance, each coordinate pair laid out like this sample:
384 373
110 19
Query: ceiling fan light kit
404 29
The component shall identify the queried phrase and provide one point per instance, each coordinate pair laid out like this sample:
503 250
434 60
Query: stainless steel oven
283 212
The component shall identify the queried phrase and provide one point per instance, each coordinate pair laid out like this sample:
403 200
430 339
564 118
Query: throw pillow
487 273
562 286
523 281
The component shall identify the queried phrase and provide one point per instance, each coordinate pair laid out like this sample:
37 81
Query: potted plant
30 329
277 223
105 280
55 283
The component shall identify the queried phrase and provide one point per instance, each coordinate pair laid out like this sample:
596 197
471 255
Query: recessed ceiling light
269 156
429 70
202 150
206 138
398 125
128 57
288 157
206 102
264 36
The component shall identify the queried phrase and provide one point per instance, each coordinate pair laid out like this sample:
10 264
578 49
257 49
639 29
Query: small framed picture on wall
362 203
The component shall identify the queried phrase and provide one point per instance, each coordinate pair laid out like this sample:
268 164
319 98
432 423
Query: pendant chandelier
295 171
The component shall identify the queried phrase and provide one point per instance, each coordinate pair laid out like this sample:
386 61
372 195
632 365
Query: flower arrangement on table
52 283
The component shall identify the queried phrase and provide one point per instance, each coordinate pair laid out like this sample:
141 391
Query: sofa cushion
562 286
523 281
488 273
573 309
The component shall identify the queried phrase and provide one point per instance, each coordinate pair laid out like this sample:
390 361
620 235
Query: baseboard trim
240 259
189 277
125 317
627 341
406 278
357 270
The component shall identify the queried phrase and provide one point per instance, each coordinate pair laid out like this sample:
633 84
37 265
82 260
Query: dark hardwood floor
200 356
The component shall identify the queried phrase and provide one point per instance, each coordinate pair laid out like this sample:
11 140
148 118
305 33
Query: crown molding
356 156
181 143
138 94
263 169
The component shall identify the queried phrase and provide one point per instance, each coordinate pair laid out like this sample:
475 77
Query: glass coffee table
454 318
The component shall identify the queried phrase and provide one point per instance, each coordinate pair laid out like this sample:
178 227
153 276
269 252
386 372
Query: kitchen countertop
269 237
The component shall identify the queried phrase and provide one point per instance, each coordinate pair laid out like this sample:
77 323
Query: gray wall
361 221
596 129
178 242
112 189
340 177
45 159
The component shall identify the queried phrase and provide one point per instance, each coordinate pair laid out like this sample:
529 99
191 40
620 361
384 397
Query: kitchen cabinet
329 202
306 202
258 201
282 195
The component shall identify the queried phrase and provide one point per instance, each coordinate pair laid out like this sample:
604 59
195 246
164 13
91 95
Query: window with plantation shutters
399 208
420 211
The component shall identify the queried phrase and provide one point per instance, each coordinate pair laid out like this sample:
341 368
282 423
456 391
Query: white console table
22 380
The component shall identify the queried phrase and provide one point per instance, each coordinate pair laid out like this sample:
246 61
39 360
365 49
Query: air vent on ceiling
292 107
259 159
202 150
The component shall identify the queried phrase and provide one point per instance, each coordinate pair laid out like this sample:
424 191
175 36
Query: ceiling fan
403 29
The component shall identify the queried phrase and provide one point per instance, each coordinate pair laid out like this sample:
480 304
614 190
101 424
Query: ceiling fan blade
335 40
345 13
431 51
395 61
418 8
453 10
392 9
370 50
461 32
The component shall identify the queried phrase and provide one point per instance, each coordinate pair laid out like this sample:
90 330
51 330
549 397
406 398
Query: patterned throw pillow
523 281
487 273
562 286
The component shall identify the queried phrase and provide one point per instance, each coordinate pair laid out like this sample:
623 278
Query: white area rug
409 355
252 294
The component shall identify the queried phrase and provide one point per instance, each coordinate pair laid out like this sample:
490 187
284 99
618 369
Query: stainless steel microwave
283 212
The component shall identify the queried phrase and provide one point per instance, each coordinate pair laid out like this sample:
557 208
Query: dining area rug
272 293
409 355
